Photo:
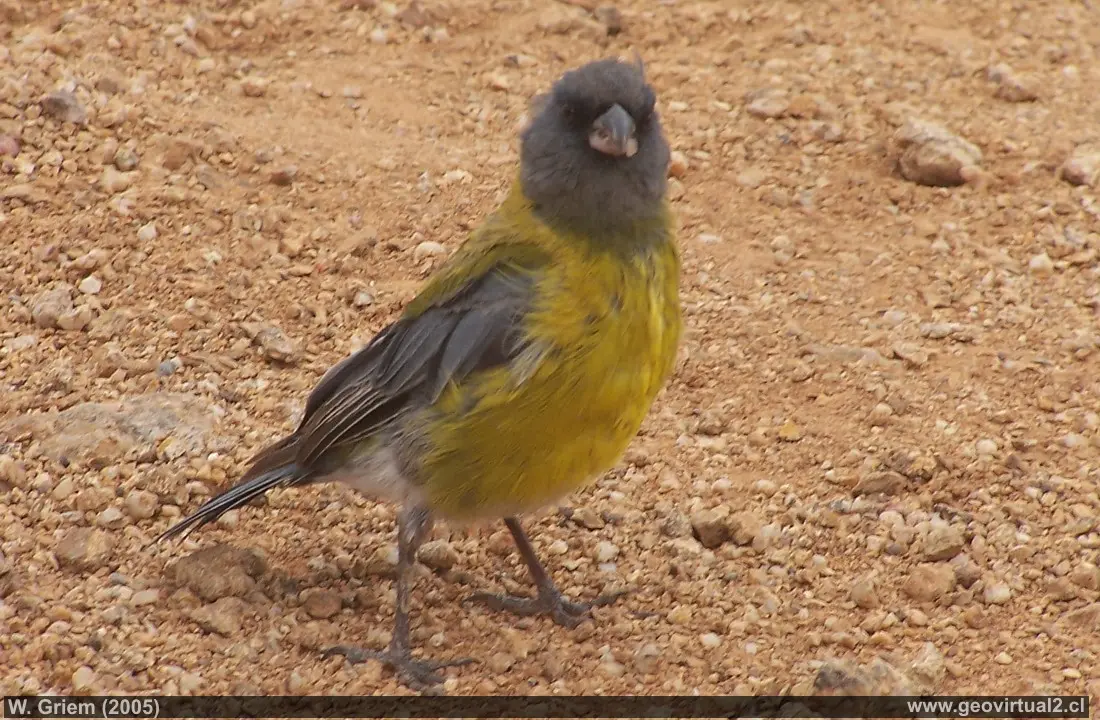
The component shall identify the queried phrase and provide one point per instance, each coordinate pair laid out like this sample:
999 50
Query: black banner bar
148 706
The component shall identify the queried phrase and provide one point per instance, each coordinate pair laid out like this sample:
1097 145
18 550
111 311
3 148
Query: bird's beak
613 133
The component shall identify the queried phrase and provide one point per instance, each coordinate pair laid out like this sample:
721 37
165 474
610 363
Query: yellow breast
605 329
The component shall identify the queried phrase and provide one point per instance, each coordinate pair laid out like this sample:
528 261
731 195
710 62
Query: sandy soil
881 448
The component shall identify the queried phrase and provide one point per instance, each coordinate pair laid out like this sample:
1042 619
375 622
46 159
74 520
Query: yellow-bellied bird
525 366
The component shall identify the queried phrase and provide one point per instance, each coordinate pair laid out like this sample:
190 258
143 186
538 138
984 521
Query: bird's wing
466 320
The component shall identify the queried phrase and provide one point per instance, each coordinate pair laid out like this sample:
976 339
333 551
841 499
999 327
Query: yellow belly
501 447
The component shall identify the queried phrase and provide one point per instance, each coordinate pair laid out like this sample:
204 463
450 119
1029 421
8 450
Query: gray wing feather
476 329
421 344
406 366
412 361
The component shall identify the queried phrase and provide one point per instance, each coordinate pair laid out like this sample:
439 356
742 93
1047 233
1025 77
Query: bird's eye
569 104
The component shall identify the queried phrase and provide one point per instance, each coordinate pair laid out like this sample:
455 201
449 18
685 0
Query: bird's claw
562 611
417 674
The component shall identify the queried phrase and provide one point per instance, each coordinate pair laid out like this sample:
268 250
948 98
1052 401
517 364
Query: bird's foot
549 601
417 674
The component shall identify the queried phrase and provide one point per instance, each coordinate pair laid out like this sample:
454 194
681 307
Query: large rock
929 582
929 154
84 549
223 617
220 571
100 434
1082 167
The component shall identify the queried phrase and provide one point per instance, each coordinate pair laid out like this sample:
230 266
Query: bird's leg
549 600
413 525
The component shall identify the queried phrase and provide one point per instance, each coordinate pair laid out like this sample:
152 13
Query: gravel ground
878 460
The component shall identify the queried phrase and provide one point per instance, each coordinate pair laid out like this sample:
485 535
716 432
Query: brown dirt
888 395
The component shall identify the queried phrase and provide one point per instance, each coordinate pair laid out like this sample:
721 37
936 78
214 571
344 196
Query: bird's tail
270 468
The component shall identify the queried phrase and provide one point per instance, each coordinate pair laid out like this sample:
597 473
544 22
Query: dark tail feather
270 468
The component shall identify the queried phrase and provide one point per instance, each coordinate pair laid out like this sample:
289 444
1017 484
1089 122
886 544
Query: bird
524 366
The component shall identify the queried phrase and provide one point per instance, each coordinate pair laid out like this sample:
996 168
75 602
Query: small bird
524 367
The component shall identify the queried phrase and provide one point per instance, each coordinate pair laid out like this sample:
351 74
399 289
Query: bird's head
594 159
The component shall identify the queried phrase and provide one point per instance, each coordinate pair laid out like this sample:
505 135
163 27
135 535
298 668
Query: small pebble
767 103
9 146
677 165
929 582
113 182
20 343
147 232
501 662
864 594
986 447
789 432
612 668
610 17
680 615
605 551
710 527
767 488
427 249
84 549
321 603
64 107
285 176
169 367
997 593
586 517
382 562
111 518
83 678
253 87
274 342
180 322
63 489
1011 87
943 543
222 617
647 657
880 414
145 597
497 81
1040 264
1086 575
966 570
929 665
295 683
1082 167
438 555
90 285
125 159
189 683
886 482
141 504
49 306
929 154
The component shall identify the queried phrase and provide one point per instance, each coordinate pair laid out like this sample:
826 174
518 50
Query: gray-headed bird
525 366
